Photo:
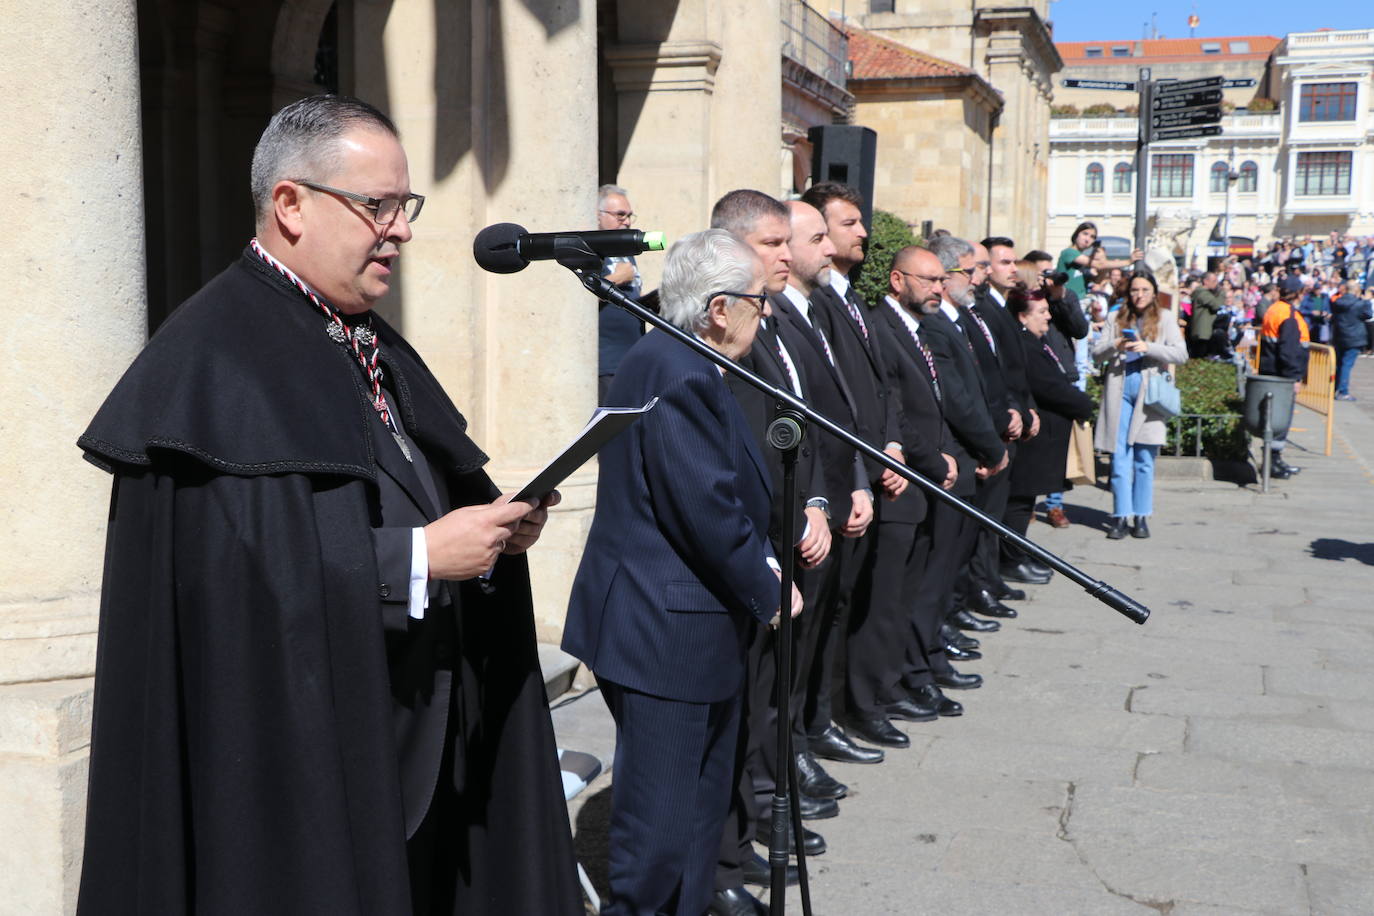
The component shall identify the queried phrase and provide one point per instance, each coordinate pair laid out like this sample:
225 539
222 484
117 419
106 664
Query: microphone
505 248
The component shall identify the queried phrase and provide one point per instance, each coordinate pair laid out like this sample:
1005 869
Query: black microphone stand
586 265
785 434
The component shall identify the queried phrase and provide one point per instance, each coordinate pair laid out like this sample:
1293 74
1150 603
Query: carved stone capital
665 66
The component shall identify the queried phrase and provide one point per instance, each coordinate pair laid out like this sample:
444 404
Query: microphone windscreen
496 248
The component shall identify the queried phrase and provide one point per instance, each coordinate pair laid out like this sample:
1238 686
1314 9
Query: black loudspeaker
845 153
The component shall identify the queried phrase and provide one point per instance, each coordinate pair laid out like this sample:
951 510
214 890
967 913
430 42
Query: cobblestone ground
1217 760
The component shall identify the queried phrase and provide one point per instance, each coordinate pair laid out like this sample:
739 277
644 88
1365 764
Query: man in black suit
677 571
916 283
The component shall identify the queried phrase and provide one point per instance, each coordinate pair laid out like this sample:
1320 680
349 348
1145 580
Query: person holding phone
1140 339
1084 259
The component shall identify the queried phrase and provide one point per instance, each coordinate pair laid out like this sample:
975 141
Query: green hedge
1207 388
888 235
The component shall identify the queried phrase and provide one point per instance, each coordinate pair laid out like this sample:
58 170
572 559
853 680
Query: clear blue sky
1107 20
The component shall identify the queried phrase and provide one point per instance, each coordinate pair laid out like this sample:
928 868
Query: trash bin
1281 413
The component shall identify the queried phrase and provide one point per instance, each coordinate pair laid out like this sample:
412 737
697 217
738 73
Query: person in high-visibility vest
1283 352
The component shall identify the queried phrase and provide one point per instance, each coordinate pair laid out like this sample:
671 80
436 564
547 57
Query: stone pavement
1218 760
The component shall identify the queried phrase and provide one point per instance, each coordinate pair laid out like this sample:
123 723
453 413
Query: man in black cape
317 689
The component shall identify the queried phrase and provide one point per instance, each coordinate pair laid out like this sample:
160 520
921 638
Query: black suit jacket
1040 463
860 357
966 406
1006 331
828 394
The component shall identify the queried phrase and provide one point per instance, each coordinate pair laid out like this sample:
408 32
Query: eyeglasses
384 209
931 280
759 300
625 216
966 271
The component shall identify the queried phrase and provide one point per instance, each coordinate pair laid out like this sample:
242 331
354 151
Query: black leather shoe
1280 467
817 809
955 654
757 871
930 695
815 781
953 680
1005 592
952 636
736 901
812 842
1116 528
1140 529
1038 568
966 621
834 744
983 602
877 730
909 711
1024 572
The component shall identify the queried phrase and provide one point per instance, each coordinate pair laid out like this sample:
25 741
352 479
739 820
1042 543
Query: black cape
243 758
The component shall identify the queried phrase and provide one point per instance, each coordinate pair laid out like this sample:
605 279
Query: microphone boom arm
1108 595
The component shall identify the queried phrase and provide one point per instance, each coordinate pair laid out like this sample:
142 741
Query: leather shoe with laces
1140 529
985 603
1005 592
965 620
1024 572
953 680
757 871
812 842
930 695
736 901
877 730
817 809
952 636
1057 518
834 744
815 781
909 711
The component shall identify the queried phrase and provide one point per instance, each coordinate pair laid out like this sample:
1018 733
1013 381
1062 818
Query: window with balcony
1093 182
1121 178
1327 102
1320 174
1171 175
1249 178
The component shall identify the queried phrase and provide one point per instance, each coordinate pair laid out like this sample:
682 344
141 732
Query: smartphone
1130 334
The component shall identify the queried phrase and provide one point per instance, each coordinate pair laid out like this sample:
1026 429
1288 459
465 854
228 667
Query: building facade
1305 168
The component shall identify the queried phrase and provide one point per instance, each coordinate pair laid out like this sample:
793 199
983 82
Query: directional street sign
1173 87
1186 100
1240 84
1099 84
1186 118
1186 133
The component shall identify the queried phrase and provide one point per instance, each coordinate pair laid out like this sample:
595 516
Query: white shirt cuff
419 574
773 564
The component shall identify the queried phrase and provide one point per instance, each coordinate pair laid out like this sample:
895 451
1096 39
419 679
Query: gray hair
606 190
949 249
302 141
739 211
698 265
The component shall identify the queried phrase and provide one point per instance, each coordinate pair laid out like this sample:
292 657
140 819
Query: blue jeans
1345 362
1133 466
1054 500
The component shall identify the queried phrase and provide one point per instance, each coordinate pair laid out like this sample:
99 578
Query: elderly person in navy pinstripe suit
676 572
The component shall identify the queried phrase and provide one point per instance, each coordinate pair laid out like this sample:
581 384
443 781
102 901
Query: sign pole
1142 157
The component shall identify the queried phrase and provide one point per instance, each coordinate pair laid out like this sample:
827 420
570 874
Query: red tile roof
877 58
1165 50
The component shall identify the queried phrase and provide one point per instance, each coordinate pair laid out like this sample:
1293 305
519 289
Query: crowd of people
972 370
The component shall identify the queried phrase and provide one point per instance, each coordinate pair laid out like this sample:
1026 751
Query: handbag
1081 466
1163 395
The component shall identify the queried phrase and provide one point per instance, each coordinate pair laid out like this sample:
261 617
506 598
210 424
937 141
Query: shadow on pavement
1337 549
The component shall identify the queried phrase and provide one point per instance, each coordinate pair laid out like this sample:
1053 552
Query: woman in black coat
1041 461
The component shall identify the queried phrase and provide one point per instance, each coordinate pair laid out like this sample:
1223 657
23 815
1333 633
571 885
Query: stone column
74 159
486 96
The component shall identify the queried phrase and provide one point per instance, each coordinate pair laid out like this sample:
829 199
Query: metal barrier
1318 390
1197 418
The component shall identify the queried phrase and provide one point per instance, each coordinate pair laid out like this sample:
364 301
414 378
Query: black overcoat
244 756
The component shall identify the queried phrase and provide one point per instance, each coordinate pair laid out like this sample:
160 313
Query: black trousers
820 590
986 555
755 760
827 670
879 627
944 542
